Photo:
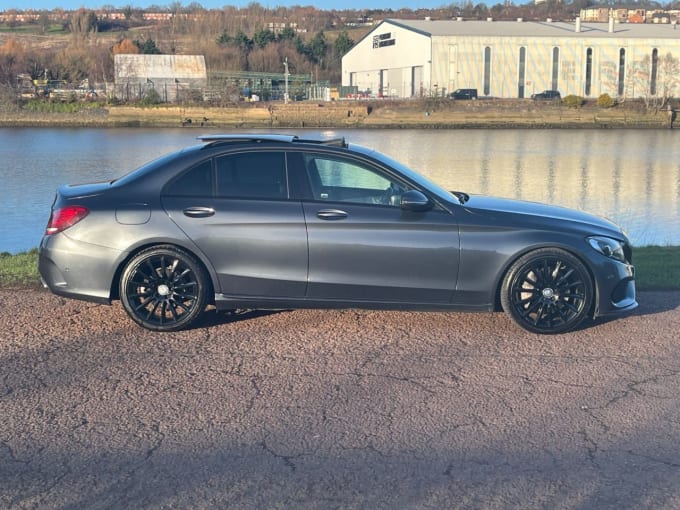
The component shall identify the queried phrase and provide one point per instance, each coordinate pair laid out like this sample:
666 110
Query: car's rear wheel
163 288
547 291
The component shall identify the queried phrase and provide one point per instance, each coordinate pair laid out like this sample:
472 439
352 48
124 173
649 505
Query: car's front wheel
163 288
547 291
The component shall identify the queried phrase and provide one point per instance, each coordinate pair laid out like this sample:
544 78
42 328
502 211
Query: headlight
608 247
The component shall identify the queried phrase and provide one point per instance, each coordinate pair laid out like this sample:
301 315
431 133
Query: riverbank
385 114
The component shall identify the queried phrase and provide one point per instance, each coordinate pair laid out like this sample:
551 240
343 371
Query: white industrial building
513 59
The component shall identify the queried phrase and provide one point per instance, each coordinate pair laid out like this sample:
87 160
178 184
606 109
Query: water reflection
630 176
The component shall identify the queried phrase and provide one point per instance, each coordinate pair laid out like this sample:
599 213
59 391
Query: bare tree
637 79
82 22
11 61
668 78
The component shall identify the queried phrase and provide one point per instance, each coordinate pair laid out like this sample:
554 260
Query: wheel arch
567 248
114 291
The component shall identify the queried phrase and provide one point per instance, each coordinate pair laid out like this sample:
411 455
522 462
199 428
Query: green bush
151 97
573 101
605 101
42 106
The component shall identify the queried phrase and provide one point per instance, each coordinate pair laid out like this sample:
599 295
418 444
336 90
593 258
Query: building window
622 71
652 78
589 70
555 67
487 70
522 72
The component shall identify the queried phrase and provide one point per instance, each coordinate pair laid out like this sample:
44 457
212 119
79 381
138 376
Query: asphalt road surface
336 409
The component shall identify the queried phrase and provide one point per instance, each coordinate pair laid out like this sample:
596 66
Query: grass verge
20 269
656 267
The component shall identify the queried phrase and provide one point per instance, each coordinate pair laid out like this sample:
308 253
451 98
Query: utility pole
285 93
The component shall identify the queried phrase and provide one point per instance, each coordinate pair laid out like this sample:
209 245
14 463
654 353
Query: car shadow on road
650 303
212 317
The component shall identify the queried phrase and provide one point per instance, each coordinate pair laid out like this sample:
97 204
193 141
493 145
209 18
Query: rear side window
195 182
252 175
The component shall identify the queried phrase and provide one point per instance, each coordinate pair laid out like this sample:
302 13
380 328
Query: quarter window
252 175
195 182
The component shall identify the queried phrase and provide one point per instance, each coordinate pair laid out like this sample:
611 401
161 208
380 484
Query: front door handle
198 212
331 214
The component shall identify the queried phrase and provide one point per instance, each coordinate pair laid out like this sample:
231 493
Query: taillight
66 217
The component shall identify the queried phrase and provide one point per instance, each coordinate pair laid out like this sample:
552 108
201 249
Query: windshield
419 179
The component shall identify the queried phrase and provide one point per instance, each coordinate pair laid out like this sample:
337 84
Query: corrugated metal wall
172 77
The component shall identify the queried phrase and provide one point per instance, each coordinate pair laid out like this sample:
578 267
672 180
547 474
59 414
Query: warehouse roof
537 29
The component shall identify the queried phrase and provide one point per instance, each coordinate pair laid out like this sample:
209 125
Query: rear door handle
331 214
198 212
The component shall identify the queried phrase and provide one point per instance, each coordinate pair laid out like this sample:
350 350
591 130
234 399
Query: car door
364 247
236 209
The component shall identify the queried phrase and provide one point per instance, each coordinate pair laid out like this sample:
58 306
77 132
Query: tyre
163 288
547 291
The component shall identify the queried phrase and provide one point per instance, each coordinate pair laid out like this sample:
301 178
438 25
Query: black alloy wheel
547 291
163 288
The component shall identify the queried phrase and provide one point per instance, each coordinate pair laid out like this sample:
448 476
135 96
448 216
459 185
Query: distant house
172 77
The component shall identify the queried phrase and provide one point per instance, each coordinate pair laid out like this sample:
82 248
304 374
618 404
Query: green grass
19 269
33 29
656 267
70 106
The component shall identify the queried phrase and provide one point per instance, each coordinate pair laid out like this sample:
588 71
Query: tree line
85 45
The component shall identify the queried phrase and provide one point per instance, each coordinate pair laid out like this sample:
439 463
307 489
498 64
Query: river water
629 176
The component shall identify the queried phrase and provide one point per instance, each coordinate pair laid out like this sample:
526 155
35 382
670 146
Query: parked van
464 94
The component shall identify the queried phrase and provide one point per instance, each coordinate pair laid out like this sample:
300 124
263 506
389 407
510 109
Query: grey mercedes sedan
280 222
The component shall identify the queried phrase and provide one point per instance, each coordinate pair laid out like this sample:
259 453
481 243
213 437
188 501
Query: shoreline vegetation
657 268
426 113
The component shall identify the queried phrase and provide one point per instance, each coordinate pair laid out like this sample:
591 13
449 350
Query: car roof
215 139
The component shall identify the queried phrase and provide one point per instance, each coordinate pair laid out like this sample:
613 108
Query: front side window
336 179
252 175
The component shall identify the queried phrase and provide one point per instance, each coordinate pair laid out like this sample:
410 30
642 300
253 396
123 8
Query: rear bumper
75 269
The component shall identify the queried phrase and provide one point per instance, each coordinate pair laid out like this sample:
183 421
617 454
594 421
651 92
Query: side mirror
414 200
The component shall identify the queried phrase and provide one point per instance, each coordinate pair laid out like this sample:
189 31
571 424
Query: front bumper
615 288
